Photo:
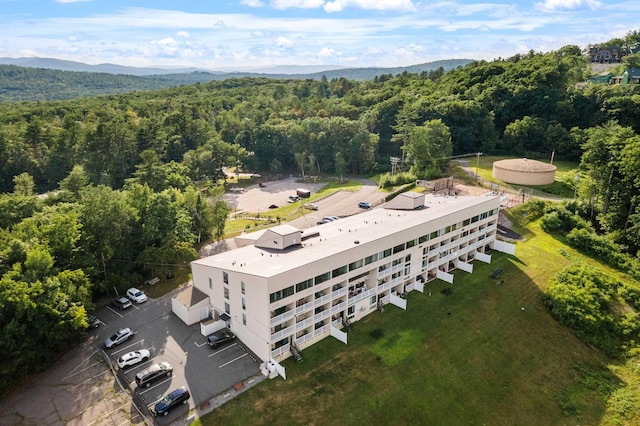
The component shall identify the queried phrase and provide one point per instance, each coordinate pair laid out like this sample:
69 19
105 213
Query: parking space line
233 360
155 386
88 393
109 308
91 378
124 348
201 345
80 371
222 350
109 413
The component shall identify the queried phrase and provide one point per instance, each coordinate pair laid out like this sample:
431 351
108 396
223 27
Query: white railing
322 330
324 299
339 307
339 292
302 339
337 323
322 315
382 274
304 308
282 317
304 324
279 335
279 351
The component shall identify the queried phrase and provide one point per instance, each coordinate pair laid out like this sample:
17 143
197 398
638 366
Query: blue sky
226 34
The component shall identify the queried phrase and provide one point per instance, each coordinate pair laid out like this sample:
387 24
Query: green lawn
487 354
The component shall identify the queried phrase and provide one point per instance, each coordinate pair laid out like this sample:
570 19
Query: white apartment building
296 287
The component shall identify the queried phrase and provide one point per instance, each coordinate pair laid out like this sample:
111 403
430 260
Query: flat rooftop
338 236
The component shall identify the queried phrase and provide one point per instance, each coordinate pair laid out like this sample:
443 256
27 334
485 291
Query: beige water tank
523 171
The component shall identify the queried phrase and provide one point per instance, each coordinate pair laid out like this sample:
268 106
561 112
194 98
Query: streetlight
478 154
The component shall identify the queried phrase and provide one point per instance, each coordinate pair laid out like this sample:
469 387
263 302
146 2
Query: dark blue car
176 397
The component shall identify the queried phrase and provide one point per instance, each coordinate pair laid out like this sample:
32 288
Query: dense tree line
131 178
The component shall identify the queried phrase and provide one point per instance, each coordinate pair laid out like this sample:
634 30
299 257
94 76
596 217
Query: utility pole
478 154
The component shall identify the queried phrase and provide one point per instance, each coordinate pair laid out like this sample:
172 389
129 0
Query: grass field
487 354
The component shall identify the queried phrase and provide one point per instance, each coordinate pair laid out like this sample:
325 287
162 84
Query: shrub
579 297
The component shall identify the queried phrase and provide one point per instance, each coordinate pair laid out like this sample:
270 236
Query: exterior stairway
296 352
346 324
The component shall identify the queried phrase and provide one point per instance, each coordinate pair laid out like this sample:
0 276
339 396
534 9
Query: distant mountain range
48 79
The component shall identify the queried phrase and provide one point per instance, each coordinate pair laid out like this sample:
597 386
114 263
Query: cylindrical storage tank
523 171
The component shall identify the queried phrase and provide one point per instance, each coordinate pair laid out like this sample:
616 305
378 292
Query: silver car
120 336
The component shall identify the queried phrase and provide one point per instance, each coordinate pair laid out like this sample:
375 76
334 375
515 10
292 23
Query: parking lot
81 388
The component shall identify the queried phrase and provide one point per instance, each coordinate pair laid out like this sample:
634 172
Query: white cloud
165 47
567 5
383 5
252 3
327 52
183 34
283 43
296 4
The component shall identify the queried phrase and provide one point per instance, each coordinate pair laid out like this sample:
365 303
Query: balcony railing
279 335
339 307
303 308
279 351
282 317
339 292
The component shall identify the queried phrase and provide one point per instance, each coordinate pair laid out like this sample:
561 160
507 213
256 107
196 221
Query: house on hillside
601 79
630 76
605 54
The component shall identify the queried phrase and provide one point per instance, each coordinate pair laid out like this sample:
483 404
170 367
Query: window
275 296
244 319
322 278
225 277
210 283
227 309
406 270
357 277
339 271
423 239
385 253
244 305
355 265
433 235
447 229
351 310
242 286
466 222
474 219
407 258
370 259
398 248
304 285
226 292
372 301
411 243
396 262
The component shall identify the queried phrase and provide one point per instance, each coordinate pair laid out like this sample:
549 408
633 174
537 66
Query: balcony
339 292
282 317
279 335
339 307
303 308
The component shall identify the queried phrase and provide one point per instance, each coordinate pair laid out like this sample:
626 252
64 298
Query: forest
109 190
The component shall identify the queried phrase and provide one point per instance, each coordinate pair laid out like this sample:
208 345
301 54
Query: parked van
303 193
153 374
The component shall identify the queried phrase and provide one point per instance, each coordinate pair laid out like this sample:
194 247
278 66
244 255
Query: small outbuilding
190 305
524 171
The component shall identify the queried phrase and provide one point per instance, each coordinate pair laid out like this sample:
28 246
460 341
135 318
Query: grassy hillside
488 353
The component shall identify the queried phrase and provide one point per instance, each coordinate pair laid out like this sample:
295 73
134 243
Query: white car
119 337
133 358
136 295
